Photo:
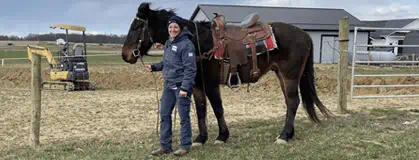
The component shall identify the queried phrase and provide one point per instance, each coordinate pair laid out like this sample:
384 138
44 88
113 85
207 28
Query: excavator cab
75 61
71 71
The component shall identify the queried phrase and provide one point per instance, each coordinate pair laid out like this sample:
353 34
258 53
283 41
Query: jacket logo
174 48
190 54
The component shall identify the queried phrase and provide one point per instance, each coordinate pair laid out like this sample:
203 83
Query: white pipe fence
354 62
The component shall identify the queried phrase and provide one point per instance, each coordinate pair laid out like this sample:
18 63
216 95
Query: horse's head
147 28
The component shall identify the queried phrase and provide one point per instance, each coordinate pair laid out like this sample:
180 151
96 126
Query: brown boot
160 152
181 152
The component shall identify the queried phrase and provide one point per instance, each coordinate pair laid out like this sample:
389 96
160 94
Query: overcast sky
21 17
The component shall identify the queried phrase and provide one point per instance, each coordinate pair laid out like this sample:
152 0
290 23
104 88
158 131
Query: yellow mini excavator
71 73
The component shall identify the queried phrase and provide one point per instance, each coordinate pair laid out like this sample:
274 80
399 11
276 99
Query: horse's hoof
219 142
281 141
196 144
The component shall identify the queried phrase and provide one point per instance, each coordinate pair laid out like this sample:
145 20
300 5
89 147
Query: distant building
388 37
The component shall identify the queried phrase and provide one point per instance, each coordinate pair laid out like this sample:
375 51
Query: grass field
379 134
18 50
13 54
111 59
117 120
21 46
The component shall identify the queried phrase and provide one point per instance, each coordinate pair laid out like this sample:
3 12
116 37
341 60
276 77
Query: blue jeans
169 99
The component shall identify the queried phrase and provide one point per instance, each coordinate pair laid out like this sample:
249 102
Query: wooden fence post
36 99
343 64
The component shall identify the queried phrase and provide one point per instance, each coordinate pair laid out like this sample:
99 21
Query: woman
179 71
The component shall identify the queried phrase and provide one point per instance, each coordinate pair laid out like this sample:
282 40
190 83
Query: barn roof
393 23
305 18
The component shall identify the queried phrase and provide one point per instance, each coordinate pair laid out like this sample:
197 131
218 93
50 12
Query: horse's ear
144 9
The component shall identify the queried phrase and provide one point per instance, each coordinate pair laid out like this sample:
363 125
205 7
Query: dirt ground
125 104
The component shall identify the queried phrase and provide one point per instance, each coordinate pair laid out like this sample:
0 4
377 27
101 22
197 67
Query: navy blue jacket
178 64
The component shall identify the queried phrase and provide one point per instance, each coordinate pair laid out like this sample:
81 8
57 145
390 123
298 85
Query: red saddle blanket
262 46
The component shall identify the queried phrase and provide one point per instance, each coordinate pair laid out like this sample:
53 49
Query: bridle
145 28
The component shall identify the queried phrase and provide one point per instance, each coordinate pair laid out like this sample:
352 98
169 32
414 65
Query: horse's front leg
214 96
201 111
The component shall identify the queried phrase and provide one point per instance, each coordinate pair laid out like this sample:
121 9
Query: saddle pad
261 46
219 53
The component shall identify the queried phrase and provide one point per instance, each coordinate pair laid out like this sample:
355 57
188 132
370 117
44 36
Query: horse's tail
308 91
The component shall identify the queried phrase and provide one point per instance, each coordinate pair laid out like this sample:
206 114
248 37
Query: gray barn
321 23
411 38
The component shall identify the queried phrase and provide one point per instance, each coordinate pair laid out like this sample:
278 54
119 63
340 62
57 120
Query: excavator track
84 85
68 86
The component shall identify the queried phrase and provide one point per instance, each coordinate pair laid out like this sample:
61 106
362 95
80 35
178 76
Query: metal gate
355 61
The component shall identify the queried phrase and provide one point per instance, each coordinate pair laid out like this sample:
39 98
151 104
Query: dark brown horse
292 63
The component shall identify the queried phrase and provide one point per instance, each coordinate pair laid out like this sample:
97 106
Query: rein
136 53
200 55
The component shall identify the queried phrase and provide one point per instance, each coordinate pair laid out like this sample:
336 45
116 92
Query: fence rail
355 61
386 86
370 45
379 62
390 29
386 96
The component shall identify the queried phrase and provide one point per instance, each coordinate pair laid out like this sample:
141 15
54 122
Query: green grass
117 60
380 134
91 60
54 47
13 54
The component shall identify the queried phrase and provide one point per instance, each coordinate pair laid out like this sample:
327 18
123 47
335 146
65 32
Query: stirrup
238 80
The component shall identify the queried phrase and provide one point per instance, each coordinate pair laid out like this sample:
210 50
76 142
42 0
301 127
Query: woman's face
173 30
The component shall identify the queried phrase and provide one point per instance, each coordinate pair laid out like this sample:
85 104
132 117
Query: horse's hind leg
213 94
201 111
290 90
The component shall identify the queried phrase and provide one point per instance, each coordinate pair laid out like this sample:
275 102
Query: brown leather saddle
229 41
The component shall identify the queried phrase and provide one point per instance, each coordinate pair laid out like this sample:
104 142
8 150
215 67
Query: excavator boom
42 51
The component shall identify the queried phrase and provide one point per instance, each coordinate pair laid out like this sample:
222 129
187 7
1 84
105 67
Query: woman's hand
183 93
148 68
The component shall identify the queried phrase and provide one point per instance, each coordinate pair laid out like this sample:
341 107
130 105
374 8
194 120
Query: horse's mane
158 12
172 12
162 14
165 12
204 24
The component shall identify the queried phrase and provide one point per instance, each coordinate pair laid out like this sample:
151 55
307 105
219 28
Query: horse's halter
145 28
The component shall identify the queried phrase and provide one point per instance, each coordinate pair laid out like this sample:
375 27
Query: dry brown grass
125 105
